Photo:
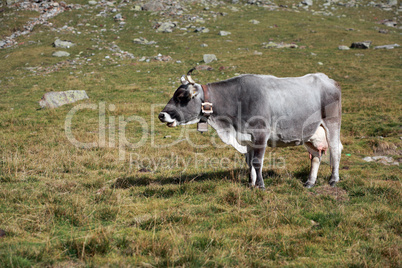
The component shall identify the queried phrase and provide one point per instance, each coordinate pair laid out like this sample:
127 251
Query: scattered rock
137 8
201 30
386 160
203 68
257 53
254 21
307 2
57 99
61 54
387 46
92 3
63 44
224 33
361 45
389 23
392 3
154 6
143 41
343 48
278 45
161 57
209 58
118 17
166 27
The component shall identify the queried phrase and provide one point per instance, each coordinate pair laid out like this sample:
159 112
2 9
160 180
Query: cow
251 112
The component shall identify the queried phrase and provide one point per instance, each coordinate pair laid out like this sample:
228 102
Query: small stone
92 3
137 8
254 21
320 63
209 58
224 33
61 54
343 48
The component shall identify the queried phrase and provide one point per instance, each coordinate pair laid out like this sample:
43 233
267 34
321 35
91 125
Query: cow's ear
193 91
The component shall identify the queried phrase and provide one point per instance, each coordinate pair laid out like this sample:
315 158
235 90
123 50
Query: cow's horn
189 79
183 80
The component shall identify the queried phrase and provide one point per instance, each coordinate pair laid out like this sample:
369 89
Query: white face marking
167 118
191 122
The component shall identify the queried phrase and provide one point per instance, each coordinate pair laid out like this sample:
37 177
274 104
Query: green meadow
112 186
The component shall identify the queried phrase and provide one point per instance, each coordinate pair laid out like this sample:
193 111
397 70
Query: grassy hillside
147 195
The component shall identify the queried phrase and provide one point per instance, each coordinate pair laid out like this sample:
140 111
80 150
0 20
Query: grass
189 204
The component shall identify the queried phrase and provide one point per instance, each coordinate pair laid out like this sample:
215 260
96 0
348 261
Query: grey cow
251 112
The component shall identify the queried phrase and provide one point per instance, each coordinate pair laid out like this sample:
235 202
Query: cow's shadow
236 175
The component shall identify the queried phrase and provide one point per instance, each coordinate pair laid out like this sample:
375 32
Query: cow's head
185 106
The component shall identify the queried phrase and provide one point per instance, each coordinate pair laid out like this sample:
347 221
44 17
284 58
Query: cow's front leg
252 175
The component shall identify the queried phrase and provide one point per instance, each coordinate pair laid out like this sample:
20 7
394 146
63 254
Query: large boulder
56 99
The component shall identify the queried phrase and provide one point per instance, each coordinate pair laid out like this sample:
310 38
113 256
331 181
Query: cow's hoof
332 183
308 185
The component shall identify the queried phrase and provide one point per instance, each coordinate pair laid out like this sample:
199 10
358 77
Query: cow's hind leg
316 146
315 164
335 149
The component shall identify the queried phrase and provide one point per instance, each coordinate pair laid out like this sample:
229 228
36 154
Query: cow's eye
183 98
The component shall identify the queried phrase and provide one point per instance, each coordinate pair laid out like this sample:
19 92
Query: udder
317 143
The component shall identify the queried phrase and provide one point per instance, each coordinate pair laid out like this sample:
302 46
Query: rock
92 3
224 33
137 8
153 6
201 30
61 54
110 4
343 48
361 45
57 99
2 43
387 46
118 17
386 160
63 44
166 27
307 2
143 41
254 21
278 45
10 2
209 58
203 68
392 3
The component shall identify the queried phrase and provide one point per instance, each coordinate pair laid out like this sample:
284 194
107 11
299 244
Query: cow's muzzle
166 118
